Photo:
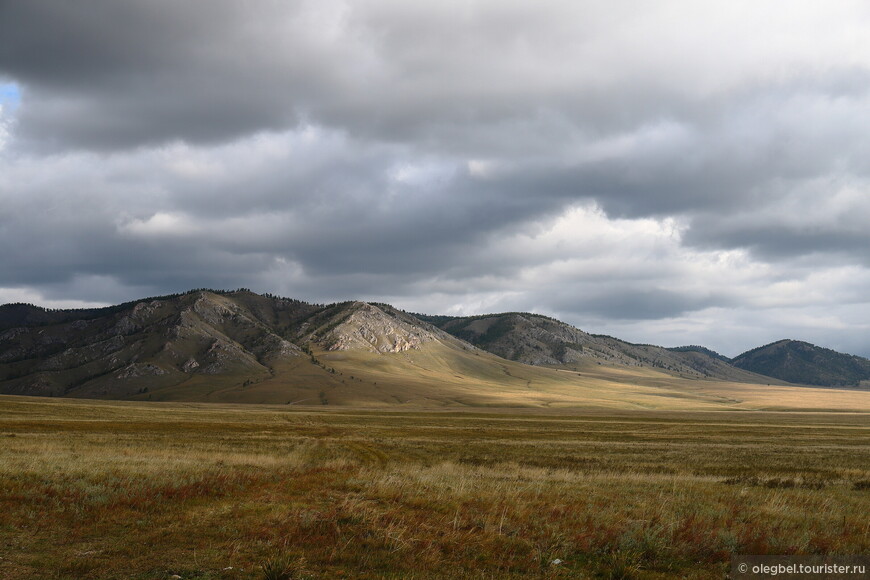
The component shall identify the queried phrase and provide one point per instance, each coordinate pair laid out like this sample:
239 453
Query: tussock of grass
285 567
99 490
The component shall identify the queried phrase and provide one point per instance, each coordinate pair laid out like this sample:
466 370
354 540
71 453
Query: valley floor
93 489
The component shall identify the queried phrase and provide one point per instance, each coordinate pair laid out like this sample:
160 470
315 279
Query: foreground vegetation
138 490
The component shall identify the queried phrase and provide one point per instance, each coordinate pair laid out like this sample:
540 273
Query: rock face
367 327
140 370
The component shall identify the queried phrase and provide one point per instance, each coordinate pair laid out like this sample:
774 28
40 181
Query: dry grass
134 490
450 377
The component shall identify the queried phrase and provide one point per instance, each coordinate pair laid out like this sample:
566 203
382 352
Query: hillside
539 340
120 351
241 347
804 363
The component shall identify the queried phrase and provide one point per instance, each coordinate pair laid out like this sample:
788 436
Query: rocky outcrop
370 328
136 370
363 326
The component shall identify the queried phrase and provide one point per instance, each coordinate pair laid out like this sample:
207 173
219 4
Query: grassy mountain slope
118 352
539 340
804 363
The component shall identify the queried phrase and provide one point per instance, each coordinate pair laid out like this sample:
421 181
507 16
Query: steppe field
155 490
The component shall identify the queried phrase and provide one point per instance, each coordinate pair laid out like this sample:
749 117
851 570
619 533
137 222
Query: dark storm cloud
103 75
318 202
437 151
773 241
638 304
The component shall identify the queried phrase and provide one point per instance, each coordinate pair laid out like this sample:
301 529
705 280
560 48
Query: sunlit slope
440 376
542 341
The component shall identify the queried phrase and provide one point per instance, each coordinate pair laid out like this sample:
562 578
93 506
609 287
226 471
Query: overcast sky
666 172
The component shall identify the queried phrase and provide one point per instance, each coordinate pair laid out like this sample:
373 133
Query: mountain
155 343
539 340
199 345
242 347
804 363
527 338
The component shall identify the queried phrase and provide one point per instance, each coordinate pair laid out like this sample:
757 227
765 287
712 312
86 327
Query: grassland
149 490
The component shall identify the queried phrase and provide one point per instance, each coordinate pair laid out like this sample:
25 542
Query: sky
665 172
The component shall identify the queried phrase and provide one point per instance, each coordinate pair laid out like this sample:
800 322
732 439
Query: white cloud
33 296
160 225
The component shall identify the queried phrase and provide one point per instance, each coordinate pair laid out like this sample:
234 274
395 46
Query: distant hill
539 340
804 363
700 349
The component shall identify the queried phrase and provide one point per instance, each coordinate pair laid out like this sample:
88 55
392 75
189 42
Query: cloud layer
666 173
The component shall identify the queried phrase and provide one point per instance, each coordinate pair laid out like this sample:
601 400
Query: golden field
151 490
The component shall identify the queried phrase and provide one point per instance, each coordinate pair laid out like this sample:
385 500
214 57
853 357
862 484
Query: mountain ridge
242 346
801 362
541 340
